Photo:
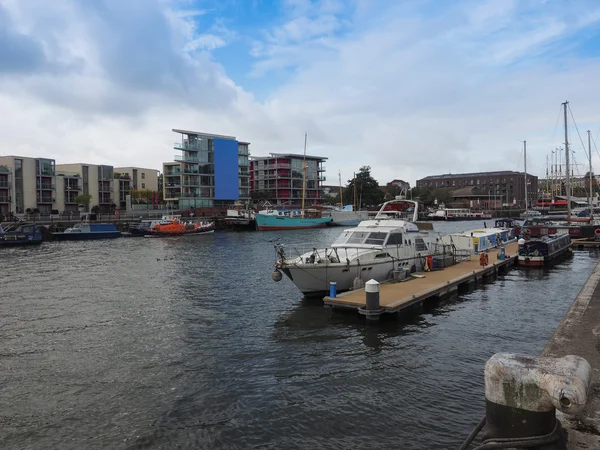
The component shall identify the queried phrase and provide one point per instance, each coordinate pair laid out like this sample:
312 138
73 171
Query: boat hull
19 242
313 280
166 234
85 236
348 218
275 223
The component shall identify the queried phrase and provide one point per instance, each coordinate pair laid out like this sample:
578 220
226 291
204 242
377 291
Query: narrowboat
26 234
479 240
85 231
177 227
544 250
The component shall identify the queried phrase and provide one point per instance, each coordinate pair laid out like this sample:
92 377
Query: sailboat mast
568 173
590 161
354 201
341 196
304 175
525 170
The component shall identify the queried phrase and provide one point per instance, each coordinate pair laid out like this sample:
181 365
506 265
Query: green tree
83 199
141 195
368 192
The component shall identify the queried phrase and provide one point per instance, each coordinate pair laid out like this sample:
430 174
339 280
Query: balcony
322 178
187 159
45 186
321 169
46 173
45 200
4 185
175 173
190 171
4 199
193 147
243 151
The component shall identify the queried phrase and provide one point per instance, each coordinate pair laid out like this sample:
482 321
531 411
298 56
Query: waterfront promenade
579 334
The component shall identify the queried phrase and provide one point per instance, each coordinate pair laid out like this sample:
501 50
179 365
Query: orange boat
177 227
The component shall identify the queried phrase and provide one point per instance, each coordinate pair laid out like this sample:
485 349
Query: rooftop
200 133
472 174
288 155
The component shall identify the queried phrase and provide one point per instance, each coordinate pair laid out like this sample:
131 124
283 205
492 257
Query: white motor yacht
372 250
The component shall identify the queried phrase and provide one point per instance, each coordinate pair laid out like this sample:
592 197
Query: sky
409 88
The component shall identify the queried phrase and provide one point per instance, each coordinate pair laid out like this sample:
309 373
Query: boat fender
277 275
527 260
597 231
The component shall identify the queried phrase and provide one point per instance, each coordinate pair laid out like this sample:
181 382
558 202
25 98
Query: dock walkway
394 297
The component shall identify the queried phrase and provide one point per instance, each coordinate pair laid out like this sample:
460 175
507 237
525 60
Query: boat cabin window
420 245
394 239
357 237
376 238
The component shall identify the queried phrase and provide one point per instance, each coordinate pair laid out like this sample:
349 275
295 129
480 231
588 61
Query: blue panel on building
226 170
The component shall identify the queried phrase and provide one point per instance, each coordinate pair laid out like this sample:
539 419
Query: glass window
357 237
143 185
143 176
395 239
376 238
420 245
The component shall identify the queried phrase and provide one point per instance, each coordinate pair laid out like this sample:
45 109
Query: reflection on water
152 343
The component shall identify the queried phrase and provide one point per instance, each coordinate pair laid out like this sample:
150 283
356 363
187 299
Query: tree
140 195
83 199
368 192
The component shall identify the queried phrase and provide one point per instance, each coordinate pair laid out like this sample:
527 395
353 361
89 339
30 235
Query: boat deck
394 297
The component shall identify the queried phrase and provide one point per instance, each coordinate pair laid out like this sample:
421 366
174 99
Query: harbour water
188 343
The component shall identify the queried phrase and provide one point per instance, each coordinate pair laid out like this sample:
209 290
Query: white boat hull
313 280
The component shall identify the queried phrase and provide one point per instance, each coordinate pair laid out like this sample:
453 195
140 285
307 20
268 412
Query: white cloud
409 92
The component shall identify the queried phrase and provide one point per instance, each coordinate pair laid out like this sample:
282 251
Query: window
376 238
143 184
143 176
395 239
357 237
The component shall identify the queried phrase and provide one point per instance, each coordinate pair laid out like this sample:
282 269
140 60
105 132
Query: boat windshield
361 237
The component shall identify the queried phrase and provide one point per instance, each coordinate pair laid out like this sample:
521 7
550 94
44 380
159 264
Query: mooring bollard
523 392
372 291
332 289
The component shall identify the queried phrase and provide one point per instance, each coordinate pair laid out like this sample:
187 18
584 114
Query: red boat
177 227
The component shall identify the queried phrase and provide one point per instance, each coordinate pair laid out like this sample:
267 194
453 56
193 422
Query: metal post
522 393
372 293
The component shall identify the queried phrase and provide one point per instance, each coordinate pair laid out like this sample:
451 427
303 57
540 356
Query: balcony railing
192 147
243 151
46 173
190 171
322 178
46 187
4 199
4 185
187 159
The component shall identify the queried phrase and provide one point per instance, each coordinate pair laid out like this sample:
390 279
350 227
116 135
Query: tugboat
26 234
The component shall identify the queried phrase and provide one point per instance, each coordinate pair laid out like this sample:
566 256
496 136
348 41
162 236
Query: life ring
597 231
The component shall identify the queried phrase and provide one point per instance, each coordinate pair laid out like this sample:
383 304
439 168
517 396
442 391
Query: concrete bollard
332 289
523 392
372 291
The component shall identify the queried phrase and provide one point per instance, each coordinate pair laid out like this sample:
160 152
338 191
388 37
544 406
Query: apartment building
140 178
208 171
279 178
30 184
96 180
506 185
5 190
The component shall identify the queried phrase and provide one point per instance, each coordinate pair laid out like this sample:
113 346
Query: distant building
279 179
30 183
140 178
507 186
96 180
211 171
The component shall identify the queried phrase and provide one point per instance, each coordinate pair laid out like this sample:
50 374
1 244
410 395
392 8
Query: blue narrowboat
543 251
86 231
26 234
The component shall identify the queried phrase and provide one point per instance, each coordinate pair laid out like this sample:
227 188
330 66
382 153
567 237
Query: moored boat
177 227
26 234
87 231
480 240
544 250
274 220
373 250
